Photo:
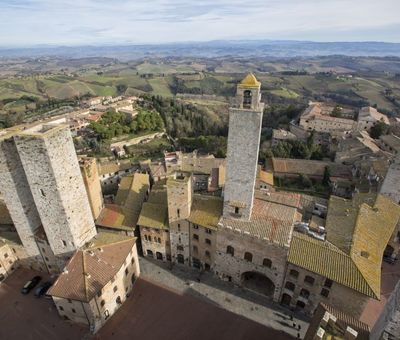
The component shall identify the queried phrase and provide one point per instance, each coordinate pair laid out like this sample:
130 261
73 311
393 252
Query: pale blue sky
97 22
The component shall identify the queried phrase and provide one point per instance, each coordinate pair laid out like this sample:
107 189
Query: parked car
30 285
42 289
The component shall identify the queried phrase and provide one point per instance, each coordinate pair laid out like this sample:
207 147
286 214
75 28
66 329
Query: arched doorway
149 253
180 258
258 282
286 298
159 256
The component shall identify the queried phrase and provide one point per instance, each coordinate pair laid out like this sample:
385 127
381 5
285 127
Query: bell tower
245 120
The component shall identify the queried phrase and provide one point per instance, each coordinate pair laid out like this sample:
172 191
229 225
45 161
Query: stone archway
258 282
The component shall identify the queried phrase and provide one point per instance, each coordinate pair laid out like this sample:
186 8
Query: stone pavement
206 286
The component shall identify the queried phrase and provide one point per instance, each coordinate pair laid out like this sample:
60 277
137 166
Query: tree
378 129
336 112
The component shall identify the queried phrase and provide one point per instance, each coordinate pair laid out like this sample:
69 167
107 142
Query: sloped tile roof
269 221
360 239
90 269
328 261
154 215
206 211
112 216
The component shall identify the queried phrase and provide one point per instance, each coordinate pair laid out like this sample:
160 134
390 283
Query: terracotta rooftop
352 254
309 167
112 216
154 215
369 111
130 196
206 211
113 167
269 221
89 270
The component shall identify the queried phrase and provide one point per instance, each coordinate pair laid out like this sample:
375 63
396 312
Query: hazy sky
80 22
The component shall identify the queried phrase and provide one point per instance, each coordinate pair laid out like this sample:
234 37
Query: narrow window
230 250
208 241
178 212
248 256
42 193
290 286
310 280
325 292
267 263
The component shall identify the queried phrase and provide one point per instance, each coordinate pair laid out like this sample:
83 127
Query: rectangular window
328 283
325 292
178 212
195 226
195 237
208 231
64 243
236 210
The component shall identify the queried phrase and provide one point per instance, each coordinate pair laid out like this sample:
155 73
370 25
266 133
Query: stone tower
19 200
91 180
51 167
179 194
245 120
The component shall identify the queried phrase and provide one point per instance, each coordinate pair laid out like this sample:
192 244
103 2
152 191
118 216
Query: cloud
27 22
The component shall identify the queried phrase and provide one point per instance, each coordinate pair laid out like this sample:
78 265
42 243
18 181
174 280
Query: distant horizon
242 40
27 23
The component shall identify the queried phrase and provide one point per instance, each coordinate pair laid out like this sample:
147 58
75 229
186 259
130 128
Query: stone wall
232 268
8 261
203 247
157 241
91 180
306 295
52 169
242 160
18 197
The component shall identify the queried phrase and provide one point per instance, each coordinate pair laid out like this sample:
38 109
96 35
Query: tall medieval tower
45 194
245 120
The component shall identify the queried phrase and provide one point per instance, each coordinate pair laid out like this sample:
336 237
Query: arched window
267 263
195 249
230 250
300 304
145 237
180 248
149 238
247 96
289 285
102 303
159 240
304 293
248 256
208 254
294 273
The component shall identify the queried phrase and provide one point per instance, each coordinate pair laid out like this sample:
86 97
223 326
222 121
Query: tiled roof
341 219
154 212
89 270
200 164
266 177
112 216
112 167
269 221
130 196
154 215
342 320
357 234
369 111
281 134
309 167
391 140
328 261
206 211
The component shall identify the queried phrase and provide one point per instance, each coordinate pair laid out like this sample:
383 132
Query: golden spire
250 81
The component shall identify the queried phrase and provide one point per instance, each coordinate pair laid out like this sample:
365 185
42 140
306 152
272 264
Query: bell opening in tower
247 99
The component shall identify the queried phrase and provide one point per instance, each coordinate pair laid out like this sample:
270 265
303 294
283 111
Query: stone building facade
19 200
243 144
8 260
91 180
179 194
51 166
97 280
304 290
